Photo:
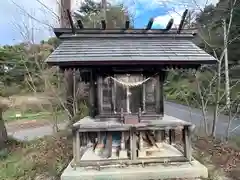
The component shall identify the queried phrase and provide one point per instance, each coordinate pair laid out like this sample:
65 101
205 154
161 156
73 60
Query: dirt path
21 125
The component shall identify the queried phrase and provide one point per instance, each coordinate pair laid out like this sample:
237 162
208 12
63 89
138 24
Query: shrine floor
157 171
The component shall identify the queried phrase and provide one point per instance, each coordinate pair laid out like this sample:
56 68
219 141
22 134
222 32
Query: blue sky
16 25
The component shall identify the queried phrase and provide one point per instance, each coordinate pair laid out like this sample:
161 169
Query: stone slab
174 170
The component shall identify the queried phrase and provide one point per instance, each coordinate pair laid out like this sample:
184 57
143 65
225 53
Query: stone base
142 154
159 171
123 154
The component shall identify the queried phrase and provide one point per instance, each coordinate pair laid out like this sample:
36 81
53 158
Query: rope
131 84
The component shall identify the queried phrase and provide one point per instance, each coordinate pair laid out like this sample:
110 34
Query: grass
45 158
10 115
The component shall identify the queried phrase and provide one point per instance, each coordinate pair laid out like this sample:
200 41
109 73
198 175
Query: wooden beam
80 24
127 24
133 141
85 163
109 144
100 94
92 94
161 92
104 25
182 21
78 144
187 142
172 135
150 23
71 21
169 25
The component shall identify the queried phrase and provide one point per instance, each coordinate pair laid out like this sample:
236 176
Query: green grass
10 115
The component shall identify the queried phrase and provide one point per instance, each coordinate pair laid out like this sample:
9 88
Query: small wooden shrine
127 134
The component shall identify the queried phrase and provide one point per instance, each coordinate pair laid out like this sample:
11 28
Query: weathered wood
150 23
123 141
131 162
158 98
74 148
80 24
158 136
133 142
161 92
71 21
109 144
187 142
112 96
144 97
92 94
100 94
163 134
172 136
78 144
68 81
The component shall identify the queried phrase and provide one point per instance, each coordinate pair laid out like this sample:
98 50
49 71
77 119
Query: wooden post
68 74
161 92
92 98
133 143
144 97
112 96
187 142
158 136
78 144
100 94
114 92
163 135
157 94
74 147
171 136
109 144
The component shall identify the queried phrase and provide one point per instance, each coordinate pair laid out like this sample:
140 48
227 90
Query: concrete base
157 171
141 154
123 154
160 171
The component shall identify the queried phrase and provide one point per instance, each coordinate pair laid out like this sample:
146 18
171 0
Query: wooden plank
161 93
187 142
92 95
109 144
133 142
158 136
131 162
74 148
100 94
78 144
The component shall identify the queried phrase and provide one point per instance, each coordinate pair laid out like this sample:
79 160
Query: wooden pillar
161 92
157 94
74 148
100 94
187 142
112 96
144 97
163 135
68 76
115 96
78 144
133 143
158 136
92 94
109 143
172 136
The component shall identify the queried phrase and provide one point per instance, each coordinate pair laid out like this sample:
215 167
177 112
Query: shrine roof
127 47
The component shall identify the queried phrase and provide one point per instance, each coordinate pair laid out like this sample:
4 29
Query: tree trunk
3 132
215 119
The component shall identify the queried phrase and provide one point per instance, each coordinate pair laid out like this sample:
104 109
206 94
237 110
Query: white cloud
177 8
